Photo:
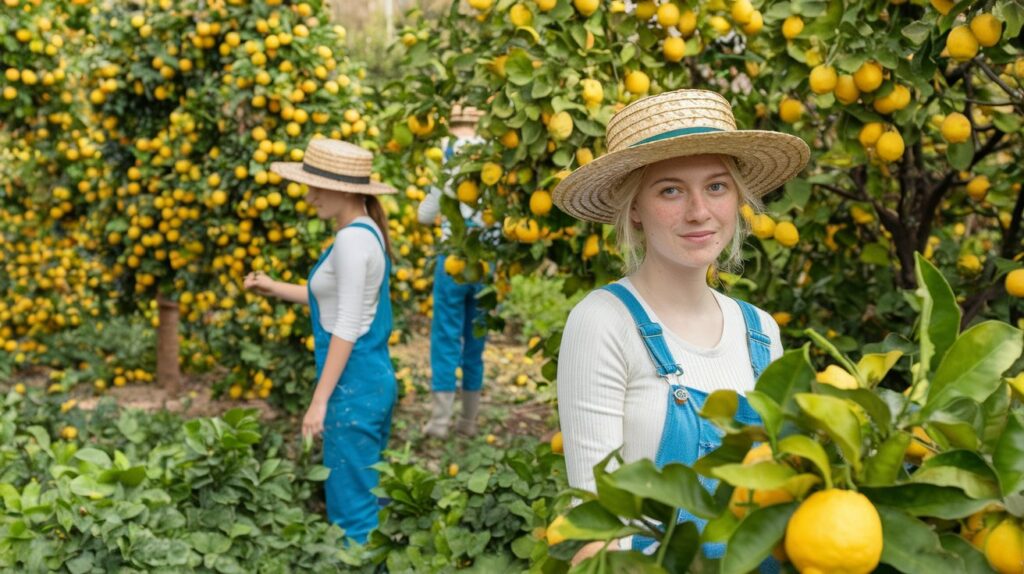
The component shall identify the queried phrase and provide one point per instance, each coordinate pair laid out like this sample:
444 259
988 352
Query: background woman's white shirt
347 284
609 393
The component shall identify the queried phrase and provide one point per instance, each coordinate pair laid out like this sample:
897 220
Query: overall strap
650 332
370 228
758 343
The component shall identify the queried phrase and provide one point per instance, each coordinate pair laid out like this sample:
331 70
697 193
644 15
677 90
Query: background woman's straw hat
465 115
334 165
674 124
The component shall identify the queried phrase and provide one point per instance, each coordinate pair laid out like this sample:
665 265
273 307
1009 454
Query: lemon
546 5
554 532
556 443
1004 548
668 15
782 318
453 265
527 231
969 263
956 128
491 173
468 191
861 216
687 23
1015 283
510 139
836 376
453 469
792 26
894 101
755 24
637 82
790 110
823 79
943 6
586 7
961 44
846 89
987 29
592 246
540 203
742 11
916 449
890 146
742 497
835 531
786 234
978 187
69 433
480 5
674 48
763 226
720 24
593 92
584 156
870 133
520 15
560 126
645 9
868 76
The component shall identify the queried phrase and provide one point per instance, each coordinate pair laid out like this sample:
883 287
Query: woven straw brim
293 171
765 159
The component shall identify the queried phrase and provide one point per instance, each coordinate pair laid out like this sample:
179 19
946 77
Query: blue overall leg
446 329
472 346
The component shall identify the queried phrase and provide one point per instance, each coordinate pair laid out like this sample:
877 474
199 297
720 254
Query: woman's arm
259 282
337 357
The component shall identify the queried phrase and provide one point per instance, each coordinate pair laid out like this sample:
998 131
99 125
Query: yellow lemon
453 265
584 156
592 246
846 89
546 5
520 15
786 234
637 82
978 187
917 449
674 48
987 29
943 6
556 443
969 263
763 226
961 44
527 231
823 79
586 7
1004 548
835 531
468 191
836 376
742 11
755 24
792 26
560 126
687 23
453 469
890 146
1015 283
491 173
510 139
645 9
870 133
540 203
782 318
868 76
554 532
593 92
956 128
668 15
790 110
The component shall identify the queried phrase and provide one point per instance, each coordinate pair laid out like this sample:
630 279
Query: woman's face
687 210
328 204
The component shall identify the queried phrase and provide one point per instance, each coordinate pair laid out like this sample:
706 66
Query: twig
840 192
1014 94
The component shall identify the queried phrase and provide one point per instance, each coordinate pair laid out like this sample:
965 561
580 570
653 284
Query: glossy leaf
926 500
883 467
910 545
960 468
786 376
769 411
760 476
675 485
1008 457
753 541
834 416
975 362
940 313
808 449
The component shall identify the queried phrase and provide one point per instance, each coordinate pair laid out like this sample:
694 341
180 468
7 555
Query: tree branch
1018 99
841 192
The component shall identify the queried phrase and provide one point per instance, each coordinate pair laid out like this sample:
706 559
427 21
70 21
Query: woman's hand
313 422
260 283
591 549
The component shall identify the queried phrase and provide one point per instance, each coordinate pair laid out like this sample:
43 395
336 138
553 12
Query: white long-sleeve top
347 283
430 208
609 392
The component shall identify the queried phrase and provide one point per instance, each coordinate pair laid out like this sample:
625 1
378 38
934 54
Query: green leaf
616 499
875 366
674 485
834 416
962 469
808 449
910 545
786 376
94 456
926 500
681 548
478 481
721 406
519 67
87 487
974 561
763 475
769 410
960 155
753 541
917 32
940 314
318 473
974 363
883 467
591 521
1008 457
872 404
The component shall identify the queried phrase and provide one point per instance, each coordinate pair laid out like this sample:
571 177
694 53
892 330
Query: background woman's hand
313 422
260 283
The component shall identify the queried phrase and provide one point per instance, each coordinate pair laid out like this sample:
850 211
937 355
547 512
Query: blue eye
670 191
718 187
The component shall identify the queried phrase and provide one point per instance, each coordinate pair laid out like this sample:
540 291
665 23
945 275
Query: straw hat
334 165
674 124
465 115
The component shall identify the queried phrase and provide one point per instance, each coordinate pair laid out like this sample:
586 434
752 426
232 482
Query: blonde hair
630 239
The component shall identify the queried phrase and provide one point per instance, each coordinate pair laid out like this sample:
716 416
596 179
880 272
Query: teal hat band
675 133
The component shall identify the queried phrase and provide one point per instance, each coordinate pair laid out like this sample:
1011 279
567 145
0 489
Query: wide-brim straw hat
675 124
465 115
336 166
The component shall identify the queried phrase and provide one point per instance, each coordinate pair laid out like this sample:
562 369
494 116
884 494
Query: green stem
668 536
831 349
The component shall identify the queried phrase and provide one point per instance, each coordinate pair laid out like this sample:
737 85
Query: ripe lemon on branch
835 531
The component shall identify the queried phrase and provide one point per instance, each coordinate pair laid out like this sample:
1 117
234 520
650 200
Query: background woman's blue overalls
358 420
686 436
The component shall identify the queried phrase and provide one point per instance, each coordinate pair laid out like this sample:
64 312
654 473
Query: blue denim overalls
358 419
452 343
687 436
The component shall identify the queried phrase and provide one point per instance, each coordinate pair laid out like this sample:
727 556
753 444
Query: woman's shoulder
601 310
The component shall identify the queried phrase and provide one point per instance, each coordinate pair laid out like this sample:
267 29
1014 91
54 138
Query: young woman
349 299
673 182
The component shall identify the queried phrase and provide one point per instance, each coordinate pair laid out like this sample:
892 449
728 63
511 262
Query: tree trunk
168 372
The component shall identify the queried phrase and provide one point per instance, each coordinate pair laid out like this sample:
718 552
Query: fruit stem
831 349
668 536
